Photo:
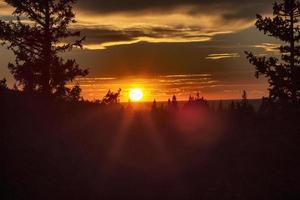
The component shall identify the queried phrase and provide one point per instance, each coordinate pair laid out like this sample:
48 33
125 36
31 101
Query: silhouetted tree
169 102
266 106
15 87
36 44
197 102
284 74
191 98
111 98
244 99
244 107
154 105
174 102
74 94
3 84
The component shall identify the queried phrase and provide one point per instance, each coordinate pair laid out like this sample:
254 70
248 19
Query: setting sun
136 94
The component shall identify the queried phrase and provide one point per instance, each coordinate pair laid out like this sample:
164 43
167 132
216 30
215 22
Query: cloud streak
222 56
268 47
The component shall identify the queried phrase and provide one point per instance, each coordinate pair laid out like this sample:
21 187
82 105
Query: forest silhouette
56 145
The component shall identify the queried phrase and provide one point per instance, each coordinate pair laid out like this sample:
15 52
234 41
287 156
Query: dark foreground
86 151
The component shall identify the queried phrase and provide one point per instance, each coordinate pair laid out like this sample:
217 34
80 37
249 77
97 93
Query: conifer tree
283 73
154 105
3 84
174 102
36 43
111 98
244 99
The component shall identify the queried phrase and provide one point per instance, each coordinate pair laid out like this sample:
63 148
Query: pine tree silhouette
154 105
174 103
74 94
244 107
111 98
244 99
3 85
284 73
36 45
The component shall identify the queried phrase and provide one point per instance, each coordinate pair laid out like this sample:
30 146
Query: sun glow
136 94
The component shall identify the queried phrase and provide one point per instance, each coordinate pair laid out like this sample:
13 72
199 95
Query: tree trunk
292 61
47 53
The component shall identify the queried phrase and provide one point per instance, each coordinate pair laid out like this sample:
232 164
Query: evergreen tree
74 94
154 105
3 85
36 45
244 99
191 98
244 106
111 98
284 73
174 102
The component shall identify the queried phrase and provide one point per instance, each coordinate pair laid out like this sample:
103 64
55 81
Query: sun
136 94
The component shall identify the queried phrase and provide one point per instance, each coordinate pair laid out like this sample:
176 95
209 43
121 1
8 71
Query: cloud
104 31
167 21
186 76
105 36
241 7
115 22
222 56
269 47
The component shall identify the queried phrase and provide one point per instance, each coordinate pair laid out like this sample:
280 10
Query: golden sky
161 88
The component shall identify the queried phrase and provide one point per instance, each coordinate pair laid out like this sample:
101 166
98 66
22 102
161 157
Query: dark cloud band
242 7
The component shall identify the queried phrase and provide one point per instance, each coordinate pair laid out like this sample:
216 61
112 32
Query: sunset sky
167 47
